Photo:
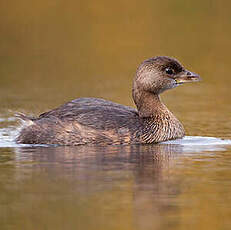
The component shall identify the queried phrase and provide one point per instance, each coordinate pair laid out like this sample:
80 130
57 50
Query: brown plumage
97 121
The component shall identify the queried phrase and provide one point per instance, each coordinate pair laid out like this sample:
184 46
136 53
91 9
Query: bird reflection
141 158
144 171
145 162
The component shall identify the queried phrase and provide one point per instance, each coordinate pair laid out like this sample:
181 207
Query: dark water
55 51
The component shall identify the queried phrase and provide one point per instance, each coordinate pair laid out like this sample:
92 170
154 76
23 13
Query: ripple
9 134
198 140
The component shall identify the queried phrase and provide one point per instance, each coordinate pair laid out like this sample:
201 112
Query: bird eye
169 71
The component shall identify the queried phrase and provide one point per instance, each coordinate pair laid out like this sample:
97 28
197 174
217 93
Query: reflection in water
128 184
144 162
112 187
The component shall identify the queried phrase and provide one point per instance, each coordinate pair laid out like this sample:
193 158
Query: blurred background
53 51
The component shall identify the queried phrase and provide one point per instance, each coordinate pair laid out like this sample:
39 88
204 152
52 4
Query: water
163 186
55 51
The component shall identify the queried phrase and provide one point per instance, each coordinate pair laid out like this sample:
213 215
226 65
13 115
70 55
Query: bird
96 121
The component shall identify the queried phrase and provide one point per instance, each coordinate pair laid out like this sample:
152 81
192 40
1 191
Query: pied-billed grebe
97 121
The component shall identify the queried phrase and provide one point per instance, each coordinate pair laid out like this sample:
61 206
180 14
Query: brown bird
98 121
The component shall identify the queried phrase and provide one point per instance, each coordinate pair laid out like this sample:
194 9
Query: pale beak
187 77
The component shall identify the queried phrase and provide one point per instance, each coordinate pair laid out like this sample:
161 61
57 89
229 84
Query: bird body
98 121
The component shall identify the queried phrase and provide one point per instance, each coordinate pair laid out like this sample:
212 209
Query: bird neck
159 123
149 104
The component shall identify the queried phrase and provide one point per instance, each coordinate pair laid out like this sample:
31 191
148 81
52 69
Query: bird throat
160 123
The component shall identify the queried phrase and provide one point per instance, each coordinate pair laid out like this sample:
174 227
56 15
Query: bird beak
187 77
